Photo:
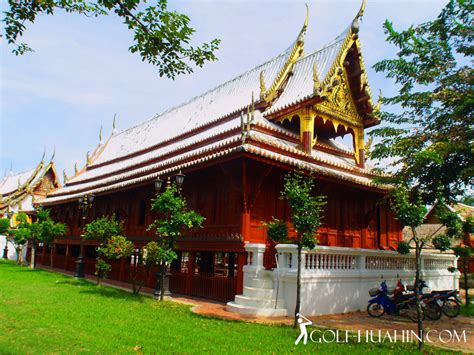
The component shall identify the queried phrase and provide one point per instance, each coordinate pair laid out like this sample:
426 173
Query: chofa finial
114 124
53 155
355 22
100 136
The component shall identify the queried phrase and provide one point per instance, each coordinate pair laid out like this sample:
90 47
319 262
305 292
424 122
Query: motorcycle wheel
451 308
410 311
433 310
375 310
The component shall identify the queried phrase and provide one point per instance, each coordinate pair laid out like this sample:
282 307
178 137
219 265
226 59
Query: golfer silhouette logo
303 322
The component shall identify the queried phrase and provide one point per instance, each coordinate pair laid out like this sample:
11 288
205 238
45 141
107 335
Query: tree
162 37
430 137
458 229
19 235
43 230
410 211
4 225
102 229
150 255
306 215
174 219
116 247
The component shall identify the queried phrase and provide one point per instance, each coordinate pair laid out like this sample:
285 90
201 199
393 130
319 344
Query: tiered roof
19 191
227 120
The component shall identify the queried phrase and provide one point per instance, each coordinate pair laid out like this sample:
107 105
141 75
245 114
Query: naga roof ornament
296 53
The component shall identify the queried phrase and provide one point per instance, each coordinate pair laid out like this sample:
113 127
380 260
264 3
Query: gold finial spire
88 158
263 88
361 10
305 25
100 135
355 22
114 124
75 169
65 177
44 154
53 155
316 82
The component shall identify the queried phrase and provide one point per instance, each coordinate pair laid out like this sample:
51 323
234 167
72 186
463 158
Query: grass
45 312
467 311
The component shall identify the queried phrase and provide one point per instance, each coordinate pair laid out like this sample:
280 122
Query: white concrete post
255 261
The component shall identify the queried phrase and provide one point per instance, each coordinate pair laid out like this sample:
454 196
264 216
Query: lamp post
5 250
158 185
85 203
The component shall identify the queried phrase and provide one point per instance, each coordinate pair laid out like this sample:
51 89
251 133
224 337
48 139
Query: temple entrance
206 274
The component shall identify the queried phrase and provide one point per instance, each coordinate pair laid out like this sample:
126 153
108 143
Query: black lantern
180 178
158 184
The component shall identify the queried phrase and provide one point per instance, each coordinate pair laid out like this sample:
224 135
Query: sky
81 73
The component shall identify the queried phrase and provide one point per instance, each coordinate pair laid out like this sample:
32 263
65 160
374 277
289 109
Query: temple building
18 193
235 143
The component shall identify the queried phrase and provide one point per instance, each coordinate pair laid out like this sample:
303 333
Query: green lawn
44 312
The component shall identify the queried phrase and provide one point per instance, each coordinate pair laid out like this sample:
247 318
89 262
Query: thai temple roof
233 117
19 190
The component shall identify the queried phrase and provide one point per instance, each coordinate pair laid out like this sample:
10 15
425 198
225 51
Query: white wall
12 255
337 280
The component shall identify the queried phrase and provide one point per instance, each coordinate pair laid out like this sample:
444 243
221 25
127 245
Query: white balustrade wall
337 280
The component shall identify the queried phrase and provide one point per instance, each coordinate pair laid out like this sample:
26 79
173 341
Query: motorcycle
448 300
381 303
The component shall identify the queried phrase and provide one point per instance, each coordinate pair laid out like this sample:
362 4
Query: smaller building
18 193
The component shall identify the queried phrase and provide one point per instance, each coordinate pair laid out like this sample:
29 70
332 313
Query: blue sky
81 72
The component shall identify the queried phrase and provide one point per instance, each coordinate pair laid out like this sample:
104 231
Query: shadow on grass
110 292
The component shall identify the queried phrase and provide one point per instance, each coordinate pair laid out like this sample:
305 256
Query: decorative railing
354 259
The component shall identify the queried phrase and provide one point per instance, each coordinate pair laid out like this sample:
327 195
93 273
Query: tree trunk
162 285
298 287
419 309
52 251
33 255
19 256
465 262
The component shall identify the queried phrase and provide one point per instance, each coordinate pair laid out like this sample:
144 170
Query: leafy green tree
306 216
19 235
162 37
116 247
150 255
429 137
43 230
4 225
459 230
103 229
174 219
410 211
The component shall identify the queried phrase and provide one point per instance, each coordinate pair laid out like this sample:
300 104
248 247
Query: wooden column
307 131
359 147
241 258
67 257
190 274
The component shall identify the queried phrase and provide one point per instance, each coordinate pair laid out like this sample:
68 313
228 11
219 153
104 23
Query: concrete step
261 283
259 292
255 311
257 302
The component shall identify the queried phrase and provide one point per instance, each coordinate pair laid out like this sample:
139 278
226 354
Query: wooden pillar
190 274
307 131
359 147
42 254
67 256
51 255
241 259
122 266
